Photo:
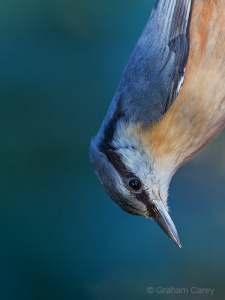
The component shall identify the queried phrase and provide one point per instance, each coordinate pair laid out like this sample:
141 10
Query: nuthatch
169 104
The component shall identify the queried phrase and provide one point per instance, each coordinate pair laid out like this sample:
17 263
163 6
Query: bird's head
130 176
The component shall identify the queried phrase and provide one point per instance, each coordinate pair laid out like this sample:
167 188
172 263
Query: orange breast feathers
198 113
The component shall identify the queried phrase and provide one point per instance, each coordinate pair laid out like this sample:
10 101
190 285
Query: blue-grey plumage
148 87
157 64
136 150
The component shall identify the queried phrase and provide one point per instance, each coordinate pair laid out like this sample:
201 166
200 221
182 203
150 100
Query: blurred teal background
61 237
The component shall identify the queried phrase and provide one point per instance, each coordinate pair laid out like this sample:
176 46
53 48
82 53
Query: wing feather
155 71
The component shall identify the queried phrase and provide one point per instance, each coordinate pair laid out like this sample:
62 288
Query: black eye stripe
127 175
143 197
116 161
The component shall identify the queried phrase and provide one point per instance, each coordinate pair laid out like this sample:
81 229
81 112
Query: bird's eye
135 184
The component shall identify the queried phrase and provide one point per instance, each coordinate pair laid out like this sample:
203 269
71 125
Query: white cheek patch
132 151
138 161
133 154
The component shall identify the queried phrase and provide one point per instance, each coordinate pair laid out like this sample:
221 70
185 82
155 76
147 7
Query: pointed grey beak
163 219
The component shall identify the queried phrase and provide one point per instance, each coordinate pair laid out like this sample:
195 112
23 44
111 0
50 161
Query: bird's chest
198 113
201 103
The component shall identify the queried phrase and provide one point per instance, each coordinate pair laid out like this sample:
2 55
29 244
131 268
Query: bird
168 106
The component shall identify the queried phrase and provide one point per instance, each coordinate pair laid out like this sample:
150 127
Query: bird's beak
162 218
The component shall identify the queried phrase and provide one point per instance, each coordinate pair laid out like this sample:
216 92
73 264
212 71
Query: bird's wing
155 71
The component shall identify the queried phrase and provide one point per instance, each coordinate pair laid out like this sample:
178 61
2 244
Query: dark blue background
61 237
